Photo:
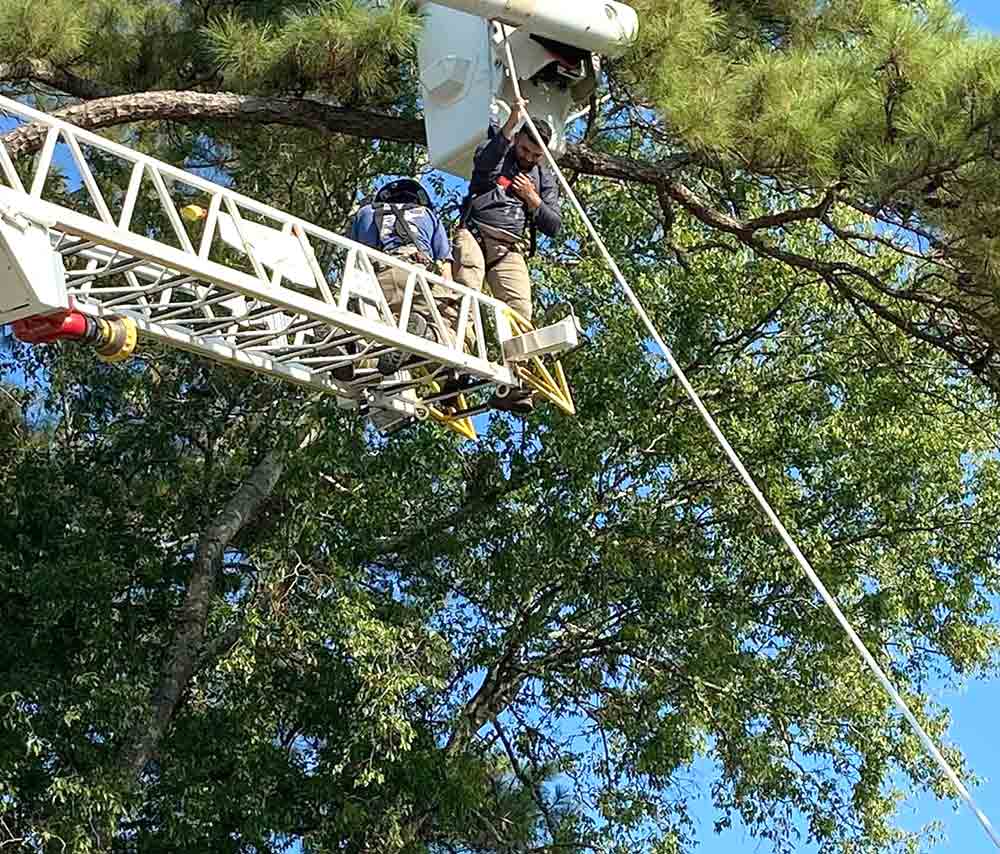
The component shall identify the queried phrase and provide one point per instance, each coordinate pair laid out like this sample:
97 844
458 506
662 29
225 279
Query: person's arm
547 217
542 204
441 248
363 227
515 119
489 156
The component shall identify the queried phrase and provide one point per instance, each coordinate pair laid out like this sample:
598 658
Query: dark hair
542 126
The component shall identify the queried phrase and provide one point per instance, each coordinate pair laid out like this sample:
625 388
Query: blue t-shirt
432 239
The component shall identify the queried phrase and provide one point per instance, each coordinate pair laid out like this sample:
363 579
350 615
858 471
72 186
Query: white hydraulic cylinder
600 26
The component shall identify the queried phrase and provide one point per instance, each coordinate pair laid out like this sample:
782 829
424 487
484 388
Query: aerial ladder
239 282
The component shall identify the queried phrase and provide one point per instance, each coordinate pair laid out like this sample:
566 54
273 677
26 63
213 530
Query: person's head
405 191
526 149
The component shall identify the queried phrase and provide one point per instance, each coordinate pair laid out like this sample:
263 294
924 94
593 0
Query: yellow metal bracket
551 385
463 426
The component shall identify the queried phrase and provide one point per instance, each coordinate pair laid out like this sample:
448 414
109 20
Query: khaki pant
393 283
507 272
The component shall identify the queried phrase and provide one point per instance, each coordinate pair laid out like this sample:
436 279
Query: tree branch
182 106
817 211
221 106
49 74
183 655
536 790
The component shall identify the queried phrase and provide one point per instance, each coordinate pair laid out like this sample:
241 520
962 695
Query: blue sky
974 709
984 14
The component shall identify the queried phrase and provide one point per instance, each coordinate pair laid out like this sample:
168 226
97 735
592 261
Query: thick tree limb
817 211
47 73
221 106
296 112
183 654
499 688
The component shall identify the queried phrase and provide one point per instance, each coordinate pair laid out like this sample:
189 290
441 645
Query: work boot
345 373
452 385
519 401
391 362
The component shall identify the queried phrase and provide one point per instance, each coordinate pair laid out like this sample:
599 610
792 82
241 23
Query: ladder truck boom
239 282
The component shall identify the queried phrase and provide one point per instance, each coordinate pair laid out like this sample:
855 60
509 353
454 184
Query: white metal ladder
253 292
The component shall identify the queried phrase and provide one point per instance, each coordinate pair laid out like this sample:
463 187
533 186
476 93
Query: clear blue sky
974 710
985 14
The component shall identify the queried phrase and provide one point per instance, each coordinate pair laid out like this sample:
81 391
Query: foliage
537 641
339 45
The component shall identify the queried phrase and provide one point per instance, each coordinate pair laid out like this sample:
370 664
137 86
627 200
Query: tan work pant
393 283
507 275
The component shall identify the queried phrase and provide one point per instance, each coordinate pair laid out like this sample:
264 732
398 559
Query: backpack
402 229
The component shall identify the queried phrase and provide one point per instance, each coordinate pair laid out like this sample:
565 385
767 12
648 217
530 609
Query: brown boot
519 401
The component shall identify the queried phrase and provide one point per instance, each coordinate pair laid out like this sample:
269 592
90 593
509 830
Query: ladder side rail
362 254
236 280
159 168
154 274
217 351
189 265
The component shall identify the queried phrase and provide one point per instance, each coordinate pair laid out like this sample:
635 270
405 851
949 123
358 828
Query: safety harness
515 245
403 230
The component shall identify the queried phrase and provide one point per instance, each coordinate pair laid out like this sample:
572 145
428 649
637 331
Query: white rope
810 573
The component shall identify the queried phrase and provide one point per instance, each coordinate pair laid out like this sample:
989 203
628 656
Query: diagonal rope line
751 484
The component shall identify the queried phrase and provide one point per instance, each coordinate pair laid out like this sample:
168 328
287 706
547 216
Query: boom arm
202 285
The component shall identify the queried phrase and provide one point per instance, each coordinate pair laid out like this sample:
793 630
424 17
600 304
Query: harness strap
403 230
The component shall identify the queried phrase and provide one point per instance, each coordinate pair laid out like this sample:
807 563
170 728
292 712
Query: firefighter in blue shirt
400 221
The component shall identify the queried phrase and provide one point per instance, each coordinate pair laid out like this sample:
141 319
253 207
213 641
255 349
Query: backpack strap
404 231
533 240
379 212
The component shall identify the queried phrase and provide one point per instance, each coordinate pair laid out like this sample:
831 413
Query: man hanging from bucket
510 194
